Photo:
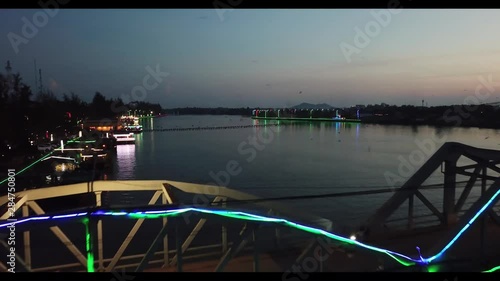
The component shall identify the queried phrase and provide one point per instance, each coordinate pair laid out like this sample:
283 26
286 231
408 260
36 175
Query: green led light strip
493 269
400 258
88 239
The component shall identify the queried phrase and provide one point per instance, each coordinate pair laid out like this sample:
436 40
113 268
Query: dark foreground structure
192 227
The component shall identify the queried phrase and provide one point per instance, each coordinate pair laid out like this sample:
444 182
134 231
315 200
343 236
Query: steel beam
193 234
61 236
130 236
224 229
149 254
429 205
256 259
469 214
450 180
178 246
164 201
82 188
235 248
468 188
410 211
409 187
17 206
306 251
464 173
100 251
26 238
483 219
19 260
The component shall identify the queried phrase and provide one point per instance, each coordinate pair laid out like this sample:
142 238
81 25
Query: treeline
475 115
25 113
244 111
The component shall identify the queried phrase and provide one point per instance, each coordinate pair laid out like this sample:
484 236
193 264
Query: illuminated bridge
191 227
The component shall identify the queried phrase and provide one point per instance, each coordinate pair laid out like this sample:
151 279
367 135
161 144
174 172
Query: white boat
124 137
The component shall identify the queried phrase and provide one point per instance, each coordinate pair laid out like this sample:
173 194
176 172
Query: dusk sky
260 57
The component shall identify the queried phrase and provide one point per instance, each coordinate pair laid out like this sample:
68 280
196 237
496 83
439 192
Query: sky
258 58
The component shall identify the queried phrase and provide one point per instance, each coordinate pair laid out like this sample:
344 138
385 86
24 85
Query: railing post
165 239
26 238
224 229
278 235
483 219
100 251
410 211
178 245
256 261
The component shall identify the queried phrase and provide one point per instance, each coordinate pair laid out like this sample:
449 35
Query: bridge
178 226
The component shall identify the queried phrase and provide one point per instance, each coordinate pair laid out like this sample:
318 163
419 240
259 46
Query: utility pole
41 84
36 78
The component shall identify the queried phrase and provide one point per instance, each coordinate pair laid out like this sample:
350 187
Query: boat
87 154
124 137
130 123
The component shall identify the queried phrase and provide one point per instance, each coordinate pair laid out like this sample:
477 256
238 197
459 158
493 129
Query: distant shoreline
362 120
308 119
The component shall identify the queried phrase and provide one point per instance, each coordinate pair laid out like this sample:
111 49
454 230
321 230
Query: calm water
298 159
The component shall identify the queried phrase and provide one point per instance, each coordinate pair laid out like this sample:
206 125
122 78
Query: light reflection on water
126 160
302 159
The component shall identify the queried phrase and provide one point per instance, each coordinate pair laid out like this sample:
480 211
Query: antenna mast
41 84
36 78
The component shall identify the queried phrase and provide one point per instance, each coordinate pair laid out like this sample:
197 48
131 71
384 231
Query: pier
307 119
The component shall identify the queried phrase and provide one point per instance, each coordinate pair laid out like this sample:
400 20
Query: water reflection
125 157
357 132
